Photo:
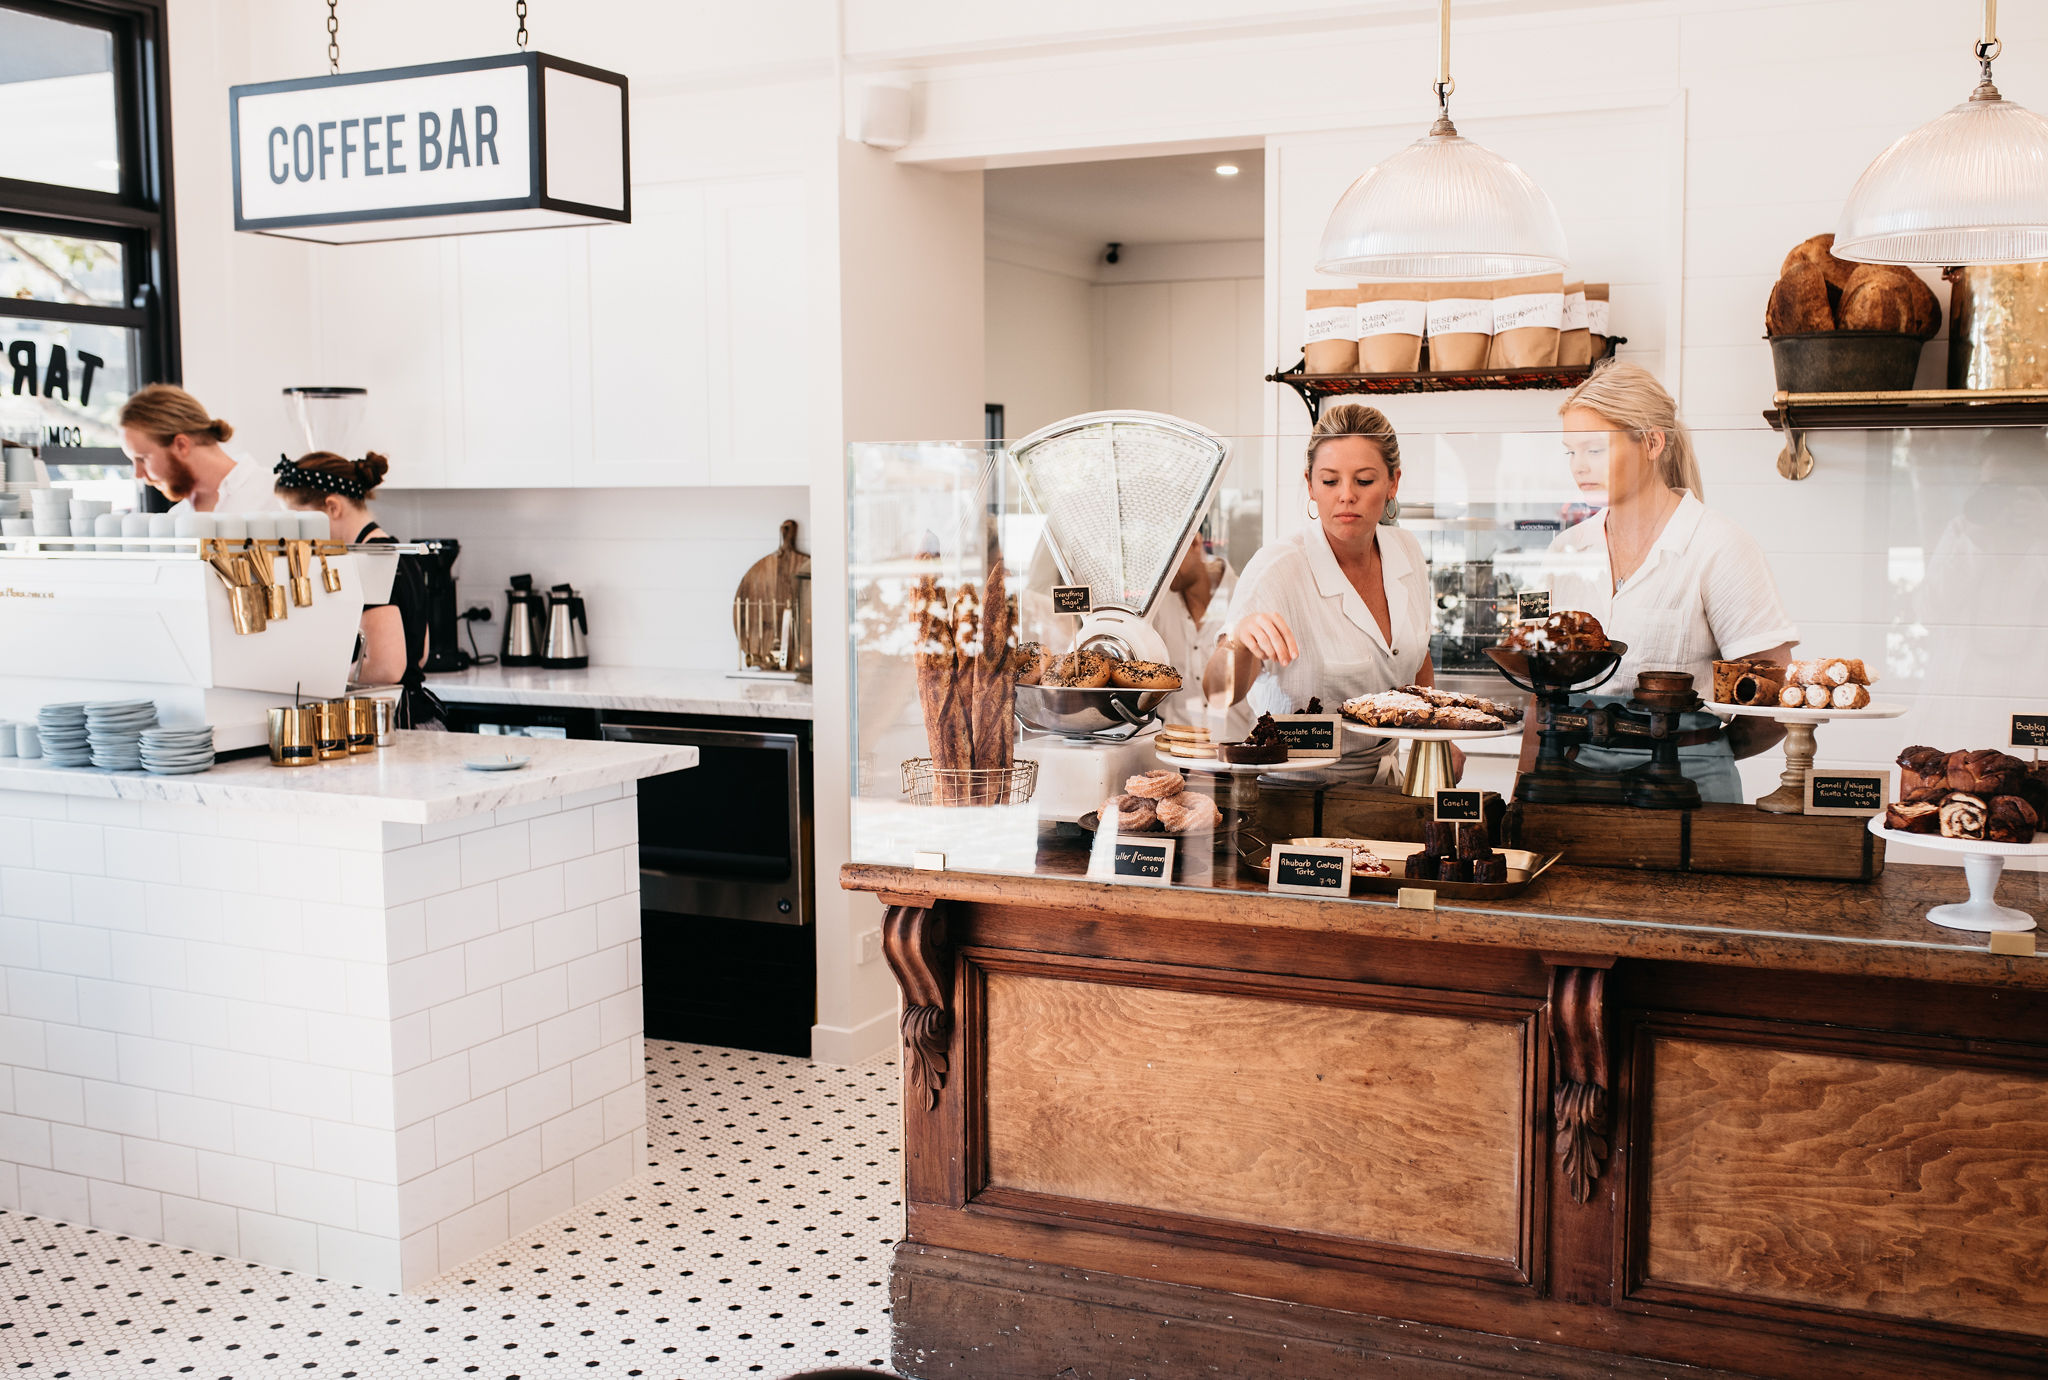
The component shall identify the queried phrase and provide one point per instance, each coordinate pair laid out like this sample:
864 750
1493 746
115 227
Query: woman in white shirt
1341 609
1681 584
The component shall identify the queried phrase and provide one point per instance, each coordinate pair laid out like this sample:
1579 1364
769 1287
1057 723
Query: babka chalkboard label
1309 735
1146 861
1071 599
1461 807
2030 730
1847 792
1311 871
1532 606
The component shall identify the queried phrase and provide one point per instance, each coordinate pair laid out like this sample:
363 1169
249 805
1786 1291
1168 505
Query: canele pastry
1491 868
1422 866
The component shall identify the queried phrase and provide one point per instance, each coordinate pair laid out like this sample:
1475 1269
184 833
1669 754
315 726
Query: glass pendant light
1444 207
1969 187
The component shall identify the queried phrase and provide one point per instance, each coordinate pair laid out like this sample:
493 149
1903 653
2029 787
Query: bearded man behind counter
178 450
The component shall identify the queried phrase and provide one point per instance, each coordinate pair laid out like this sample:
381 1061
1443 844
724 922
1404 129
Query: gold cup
330 729
247 607
362 724
292 743
261 557
330 578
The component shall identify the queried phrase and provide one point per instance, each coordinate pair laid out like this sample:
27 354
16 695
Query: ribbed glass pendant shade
1442 208
1969 187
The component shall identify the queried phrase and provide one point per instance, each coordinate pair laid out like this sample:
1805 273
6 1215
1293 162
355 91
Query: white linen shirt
1189 644
1704 593
1343 654
247 488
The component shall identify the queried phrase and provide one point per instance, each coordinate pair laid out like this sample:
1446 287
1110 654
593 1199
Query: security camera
1115 252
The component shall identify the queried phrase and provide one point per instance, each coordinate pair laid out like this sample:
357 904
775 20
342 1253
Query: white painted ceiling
1174 200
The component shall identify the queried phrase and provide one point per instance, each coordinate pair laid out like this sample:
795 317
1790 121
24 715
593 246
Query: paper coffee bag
1391 320
1528 314
1460 323
1596 321
1329 338
1574 345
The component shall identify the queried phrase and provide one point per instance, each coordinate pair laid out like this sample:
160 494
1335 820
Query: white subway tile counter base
332 1042
756 1241
649 690
420 779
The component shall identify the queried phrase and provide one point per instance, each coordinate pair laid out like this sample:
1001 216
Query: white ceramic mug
230 526
105 525
6 738
263 526
314 526
27 742
190 524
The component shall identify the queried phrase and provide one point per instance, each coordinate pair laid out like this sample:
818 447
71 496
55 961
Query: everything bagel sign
514 142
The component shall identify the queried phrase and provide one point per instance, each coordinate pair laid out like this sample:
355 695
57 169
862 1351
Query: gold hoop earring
1314 516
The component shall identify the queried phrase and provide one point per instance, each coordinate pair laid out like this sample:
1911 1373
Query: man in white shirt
1189 614
176 445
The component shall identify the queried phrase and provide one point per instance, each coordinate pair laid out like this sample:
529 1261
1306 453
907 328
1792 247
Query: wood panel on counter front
1162 1114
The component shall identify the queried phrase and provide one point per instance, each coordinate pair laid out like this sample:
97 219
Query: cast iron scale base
1650 720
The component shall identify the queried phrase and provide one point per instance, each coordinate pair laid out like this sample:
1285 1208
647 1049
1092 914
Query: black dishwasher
728 945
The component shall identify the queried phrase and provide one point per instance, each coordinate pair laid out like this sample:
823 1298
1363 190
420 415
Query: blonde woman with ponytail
1680 583
178 450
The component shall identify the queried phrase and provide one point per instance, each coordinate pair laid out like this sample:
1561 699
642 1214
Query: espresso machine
1650 719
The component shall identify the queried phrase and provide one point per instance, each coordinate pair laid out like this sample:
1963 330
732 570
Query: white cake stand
1790 797
1429 761
1237 783
1983 861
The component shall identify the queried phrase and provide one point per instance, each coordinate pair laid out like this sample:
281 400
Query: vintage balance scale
1120 493
1651 719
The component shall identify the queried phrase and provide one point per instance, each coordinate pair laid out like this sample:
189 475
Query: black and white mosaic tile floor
757 1243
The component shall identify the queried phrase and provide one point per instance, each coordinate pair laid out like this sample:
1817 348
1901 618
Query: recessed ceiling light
1226 170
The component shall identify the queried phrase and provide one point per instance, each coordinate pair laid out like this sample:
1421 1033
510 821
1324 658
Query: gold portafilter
262 558
292 743
330 578
298 556
246 603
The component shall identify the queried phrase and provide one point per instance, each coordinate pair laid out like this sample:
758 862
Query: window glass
60 268
72 376
57 103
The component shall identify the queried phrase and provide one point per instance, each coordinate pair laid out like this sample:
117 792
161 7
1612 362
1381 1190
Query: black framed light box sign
520 141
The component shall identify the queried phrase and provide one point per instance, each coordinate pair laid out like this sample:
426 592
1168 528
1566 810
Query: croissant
1963 817
2010 819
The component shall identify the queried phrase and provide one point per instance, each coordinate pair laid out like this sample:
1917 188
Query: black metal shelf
1315 389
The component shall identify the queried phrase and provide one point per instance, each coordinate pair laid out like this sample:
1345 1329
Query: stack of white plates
114 728
177 751
61 727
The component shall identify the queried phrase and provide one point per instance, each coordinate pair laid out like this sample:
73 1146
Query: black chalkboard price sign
1461 807
1847 792
1071 599
1532 606
1309 735
1148 860
2030 730
1311 871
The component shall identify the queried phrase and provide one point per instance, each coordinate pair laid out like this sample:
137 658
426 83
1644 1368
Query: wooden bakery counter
1778 1127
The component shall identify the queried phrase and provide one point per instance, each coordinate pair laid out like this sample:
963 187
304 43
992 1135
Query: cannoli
1850 696
1818 696
1755 687
1792 696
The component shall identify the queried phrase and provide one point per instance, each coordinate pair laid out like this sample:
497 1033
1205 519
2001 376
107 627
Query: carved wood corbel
1576 1020
914 942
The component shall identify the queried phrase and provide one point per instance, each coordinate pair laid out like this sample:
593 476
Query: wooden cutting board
769 586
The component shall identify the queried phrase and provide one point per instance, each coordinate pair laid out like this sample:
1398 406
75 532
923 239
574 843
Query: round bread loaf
1819 252
1799 303
1884 297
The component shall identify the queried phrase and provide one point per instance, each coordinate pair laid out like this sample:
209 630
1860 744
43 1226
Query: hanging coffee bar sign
520 141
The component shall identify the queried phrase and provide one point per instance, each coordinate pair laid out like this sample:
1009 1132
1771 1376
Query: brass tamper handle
298 556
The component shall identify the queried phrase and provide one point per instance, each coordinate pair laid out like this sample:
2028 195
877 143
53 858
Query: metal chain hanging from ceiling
520 9
333 41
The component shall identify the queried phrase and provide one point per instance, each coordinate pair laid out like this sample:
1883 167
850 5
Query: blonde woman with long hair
1342 608
1680 583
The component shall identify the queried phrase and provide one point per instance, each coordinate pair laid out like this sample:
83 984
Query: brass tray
1524 868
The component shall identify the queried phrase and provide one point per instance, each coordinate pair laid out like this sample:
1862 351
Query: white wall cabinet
660 353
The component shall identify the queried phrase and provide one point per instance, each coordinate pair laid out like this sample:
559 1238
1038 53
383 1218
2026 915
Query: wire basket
926 784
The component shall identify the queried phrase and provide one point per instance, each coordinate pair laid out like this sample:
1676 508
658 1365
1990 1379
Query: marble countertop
647 689
419 779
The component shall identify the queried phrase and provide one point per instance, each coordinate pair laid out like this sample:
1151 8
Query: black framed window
88 294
